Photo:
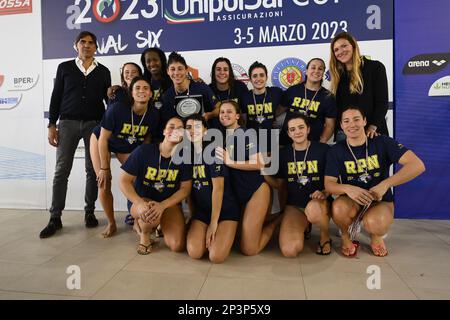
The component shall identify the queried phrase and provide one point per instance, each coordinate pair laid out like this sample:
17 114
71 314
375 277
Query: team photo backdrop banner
422 109
127 27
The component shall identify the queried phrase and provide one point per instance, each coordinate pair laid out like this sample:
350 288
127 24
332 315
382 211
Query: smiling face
174 130
298 130
141 92
153 63
258 77
315 71
343 51
195 130
222 73
353 123
177 72
228 116
86 47
129 72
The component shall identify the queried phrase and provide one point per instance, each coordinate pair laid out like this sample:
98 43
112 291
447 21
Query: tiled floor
417 267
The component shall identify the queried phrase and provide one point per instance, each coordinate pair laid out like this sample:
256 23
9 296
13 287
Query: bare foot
109 230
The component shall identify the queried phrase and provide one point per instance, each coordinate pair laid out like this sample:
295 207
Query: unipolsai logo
197 11
426 63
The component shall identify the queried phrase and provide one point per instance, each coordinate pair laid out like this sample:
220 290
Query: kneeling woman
215 213
250 189
155 186
362 164
123 128
301 171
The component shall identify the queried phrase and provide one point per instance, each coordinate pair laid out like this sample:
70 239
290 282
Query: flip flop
379 250
321 246
143 249
129 220
351 255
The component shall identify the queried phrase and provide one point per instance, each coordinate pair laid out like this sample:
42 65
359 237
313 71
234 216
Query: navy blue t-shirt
323 106
240 147
168 109
117 119
271 98
202 187
313 168
235 94
143 163
383 151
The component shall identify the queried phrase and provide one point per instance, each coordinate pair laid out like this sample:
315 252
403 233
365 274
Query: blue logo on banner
288 72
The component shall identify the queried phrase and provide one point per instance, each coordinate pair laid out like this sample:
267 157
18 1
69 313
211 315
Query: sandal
322 245
379 249
143 249
129 220
347 251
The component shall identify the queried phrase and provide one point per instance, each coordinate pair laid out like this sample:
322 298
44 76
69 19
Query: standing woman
128 72
250 189
223 83
312 100
362 165
182 86
123 128
215 213
154 62
155 187
260 104
358 81
301 172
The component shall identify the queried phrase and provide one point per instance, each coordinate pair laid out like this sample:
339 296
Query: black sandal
321 246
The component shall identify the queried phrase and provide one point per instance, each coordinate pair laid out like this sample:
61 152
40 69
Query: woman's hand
319 195
156 211
379 190
211 233
104 176
359 195
371 131
223 155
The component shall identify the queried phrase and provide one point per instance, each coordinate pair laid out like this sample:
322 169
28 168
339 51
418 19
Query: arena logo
288 72
240 73
426 63
15 7
195 11
440 87
106 10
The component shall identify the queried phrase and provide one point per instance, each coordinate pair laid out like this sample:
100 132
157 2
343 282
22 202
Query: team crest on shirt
288 72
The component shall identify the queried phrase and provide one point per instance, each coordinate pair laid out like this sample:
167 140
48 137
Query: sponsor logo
440 87
426 63
240 73
196 11
15 6
23 83
106 10
288 72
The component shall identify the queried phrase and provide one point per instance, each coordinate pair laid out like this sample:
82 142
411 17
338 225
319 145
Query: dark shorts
206 218
243 197
96 132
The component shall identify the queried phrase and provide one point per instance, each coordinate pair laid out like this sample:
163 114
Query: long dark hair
165 80
230 76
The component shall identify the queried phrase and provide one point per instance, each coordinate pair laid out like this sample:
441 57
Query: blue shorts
206 218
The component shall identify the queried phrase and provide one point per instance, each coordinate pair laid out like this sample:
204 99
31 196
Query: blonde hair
337 68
